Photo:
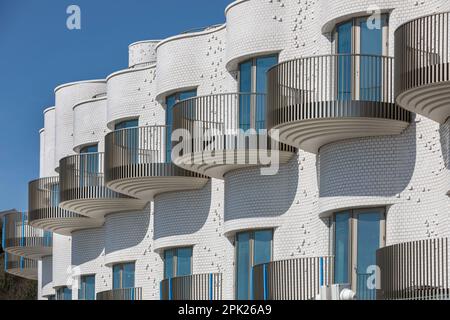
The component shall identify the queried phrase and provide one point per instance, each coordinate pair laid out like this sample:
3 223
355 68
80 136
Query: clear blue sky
38 52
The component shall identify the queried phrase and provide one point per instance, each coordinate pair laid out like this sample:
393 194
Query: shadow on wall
47 274
248 194
182 213
123 231
444 132
87 245
368 167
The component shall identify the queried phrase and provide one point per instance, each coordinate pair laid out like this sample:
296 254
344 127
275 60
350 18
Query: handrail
192 287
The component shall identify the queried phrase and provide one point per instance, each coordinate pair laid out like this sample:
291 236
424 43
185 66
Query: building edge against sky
360 106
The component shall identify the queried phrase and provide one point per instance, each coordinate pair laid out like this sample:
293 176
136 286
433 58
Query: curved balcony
83 188
225 132
422 69
136 164
318 100
296 279
45 213
192 287
21 239
415 270
128 294
21 267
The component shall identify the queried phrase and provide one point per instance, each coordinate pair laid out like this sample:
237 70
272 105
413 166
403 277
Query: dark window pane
168 264
117 270
344 47
341 240
128 275
262 247
245 86
243 266
184 259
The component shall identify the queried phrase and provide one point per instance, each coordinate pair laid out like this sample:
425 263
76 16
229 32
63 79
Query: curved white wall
142 52
194 60
49 143
46 276
89 123
132 94
41 152
66 96
61 264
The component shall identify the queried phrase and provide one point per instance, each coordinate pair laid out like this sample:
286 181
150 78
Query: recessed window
177 262
87 288
89 166
252 248
133 123
123 276
253 81
64 293
358 234
171 101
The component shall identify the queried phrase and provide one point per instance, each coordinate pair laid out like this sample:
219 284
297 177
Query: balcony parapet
415 270
193 287
225 132
83 188
128 294
21 239
21 266
137 164
422 69
317 100
45 213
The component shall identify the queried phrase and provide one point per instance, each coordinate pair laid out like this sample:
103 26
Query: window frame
175 261
121 274
83 285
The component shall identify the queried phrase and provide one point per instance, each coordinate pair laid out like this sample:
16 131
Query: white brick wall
142 52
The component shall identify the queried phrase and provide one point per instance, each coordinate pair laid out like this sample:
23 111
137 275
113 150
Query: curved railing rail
414 270
192 287
332 86
20 266
121 294
44 199
81 177
422 52
296 279
223 121
139 152
18 233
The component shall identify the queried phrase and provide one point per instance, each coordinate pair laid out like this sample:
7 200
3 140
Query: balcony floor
31 252
65 226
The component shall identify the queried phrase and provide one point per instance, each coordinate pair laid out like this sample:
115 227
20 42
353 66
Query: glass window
89 149
133 123
130 139
177 262
252 248
123 275
253 79
87 288
64 293
54 195
171 101
89 166
344 47
341 247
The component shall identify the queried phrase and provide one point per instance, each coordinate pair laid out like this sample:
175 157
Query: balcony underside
430 100
64 225
329 124
31 252
97 208
209 164
146 181
30 274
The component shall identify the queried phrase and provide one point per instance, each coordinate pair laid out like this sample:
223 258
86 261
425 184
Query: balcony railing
137 164
193 287
22 239
21 267
414 270
320 99
422 52
45 213
128 294
296 279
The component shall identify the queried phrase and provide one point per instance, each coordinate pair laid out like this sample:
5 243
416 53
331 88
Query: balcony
296 279
128 294
21 267
318 100
21 239
83 188
136 164
225 132
193 287
414 270
422 69
45 213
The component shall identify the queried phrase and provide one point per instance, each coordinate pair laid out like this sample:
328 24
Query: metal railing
128 294
414 270
18 233
221 122
44 199
81 177
140 152
332 86
192 287
296 279
21 266
422 52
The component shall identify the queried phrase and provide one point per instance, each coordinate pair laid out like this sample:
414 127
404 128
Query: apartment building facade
302 145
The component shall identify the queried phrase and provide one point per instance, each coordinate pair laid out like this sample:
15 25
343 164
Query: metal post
211 287
22 241
265 281
321 272
170 288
